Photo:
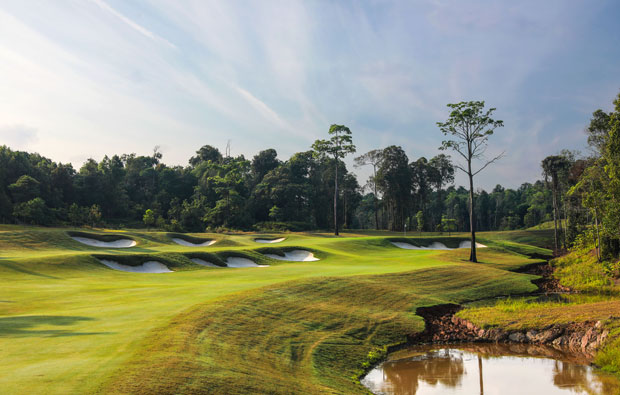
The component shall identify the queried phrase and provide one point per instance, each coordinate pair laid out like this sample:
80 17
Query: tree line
313 189
586 189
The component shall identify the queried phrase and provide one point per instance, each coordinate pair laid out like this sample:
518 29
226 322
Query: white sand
202 262
234 261
146 267
467 244
120 243
295 255
435 246
190 244
406 246
438 246
270 240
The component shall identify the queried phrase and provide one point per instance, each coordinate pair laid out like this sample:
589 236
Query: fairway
69 324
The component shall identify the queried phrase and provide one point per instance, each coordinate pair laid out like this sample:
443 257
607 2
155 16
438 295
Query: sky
86 78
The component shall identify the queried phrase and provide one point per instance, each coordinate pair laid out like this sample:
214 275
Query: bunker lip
295 256
119 243
269 241
186 243
435 245
239 262
203 262
146 267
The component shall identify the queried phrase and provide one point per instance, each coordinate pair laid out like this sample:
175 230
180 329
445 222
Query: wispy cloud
137 27
100 77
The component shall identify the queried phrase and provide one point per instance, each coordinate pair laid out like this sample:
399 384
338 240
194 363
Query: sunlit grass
68 324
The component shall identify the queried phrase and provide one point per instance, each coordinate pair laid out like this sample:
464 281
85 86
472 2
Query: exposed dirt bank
442 326
546 284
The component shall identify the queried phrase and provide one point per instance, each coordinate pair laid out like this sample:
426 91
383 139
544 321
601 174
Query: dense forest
218 192
214 191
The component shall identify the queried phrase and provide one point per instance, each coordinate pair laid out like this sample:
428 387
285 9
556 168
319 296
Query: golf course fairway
69 324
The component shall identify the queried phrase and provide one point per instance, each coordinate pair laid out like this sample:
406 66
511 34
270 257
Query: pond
487 368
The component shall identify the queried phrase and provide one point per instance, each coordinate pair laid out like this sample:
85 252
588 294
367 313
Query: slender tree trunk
374 200
565 227
344 219
555 220
336 200
472 219
598 236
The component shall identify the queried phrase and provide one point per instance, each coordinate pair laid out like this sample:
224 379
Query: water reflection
488 369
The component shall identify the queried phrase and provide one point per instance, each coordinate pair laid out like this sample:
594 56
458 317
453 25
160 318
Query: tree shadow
25 326
16 268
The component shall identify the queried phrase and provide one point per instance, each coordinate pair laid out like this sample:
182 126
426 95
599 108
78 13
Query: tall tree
470 126
598 131
553 166
338 146
395 182
374 159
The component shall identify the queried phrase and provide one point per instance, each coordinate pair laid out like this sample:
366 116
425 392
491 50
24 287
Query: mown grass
313 334
68 324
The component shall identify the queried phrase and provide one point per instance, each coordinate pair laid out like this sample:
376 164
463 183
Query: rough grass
598 301
582 272
68 324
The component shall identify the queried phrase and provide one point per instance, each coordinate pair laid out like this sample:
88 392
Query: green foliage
77 215
149 218
448 224
582 272
33 212
94 215
289 226
419 217
24 189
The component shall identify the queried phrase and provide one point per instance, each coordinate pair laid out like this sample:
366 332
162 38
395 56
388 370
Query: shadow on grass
16 268
24 326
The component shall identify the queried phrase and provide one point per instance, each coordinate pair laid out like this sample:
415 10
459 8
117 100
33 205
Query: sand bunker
295 255
190 244
234 261
120 243
202 262
467 244
435 246
146 267
270 240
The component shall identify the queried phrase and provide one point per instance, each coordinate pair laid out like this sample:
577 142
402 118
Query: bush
582 272
33 212
292 226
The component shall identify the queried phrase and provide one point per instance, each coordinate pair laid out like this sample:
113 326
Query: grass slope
70 325
598 300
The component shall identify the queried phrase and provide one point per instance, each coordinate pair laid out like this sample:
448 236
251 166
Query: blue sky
84 78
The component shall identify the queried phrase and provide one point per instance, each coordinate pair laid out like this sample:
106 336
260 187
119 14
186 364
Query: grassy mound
207 256
315 334
105 237
189 238
176 262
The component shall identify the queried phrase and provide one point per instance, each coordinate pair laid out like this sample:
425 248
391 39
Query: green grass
68 324
598 301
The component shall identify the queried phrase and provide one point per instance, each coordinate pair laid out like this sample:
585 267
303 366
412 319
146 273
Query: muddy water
490 369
